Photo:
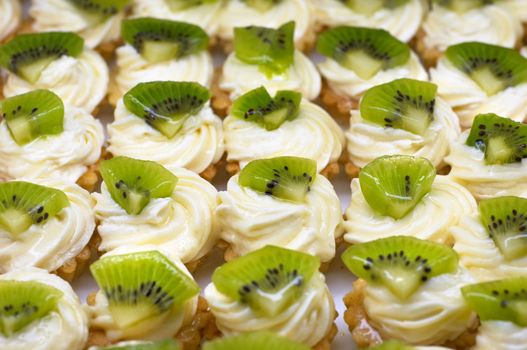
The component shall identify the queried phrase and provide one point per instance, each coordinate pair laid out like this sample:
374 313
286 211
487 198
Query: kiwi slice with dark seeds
166 105
365 51
402 104
160 40
102 8
255 341
502 140
462 6
493 68
271 49
23 302
167 344
27 55
141 285
269 279
392 345
400 263
504 300
181 5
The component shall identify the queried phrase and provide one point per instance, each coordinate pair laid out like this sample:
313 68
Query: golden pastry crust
337 105
330 171
211 171
429 55
74 267
91 179
221 100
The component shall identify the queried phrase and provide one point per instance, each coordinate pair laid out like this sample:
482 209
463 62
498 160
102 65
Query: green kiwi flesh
369 7
167 344
392 345
33 114
402 104
166 105
272 50
255 341
181 5
132 183
395 185
365 51
262 5
27 55
102 8
505 219
502 140
141 285
159 40
269 279
504 300
462 6
400 263
23 302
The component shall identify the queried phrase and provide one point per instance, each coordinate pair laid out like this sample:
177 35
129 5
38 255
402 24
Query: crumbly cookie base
330 171
428 55
74 267
337 105
91 179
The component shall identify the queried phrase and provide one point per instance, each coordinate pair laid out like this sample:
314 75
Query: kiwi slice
462 6
180 5
141 285
167 344
369 7
395 185
269 279
159 40
493 68
259 107
27 55
504 300
22 302
271 49
365 51
262 5
502 140
133 182
255 341
402 104
400 263
102 8
166 105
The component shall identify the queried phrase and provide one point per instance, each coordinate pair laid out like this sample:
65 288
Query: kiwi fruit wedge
261 5
159 40
272 50
502 300
400 263
365 51
23 302
23 204
101 8
392 345
166 105
493 68
181 5
141 285
133 182
402 104
255 341
259 107
32 115
167 344
27 55
269 279
505 219
462 6
395 185
369 7
502 140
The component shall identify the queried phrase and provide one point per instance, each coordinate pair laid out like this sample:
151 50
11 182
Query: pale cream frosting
64 156
493 335
434 314
251 220
65 328
198 145
523 51
79 81
482 180
308 320
313 134
59 239
184 224
10 17
302 76
468 99
367 141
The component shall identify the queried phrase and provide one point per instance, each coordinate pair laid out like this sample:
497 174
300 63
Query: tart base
221 100
330 171
337 105
428 55
91 179
74 267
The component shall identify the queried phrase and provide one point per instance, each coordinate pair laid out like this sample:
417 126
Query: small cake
57 61
10 17
158 49
490 159
475 78
401 195
40 311
275 290
409 290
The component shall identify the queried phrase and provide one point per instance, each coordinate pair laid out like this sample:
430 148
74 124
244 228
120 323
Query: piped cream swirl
493 335
10 17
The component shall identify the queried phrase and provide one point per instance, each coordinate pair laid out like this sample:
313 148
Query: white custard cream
10 17
307 320
59 239
239 77
251 220
502 335
63 156
184 223
402 21
65 328
482 180
163 326
198 144
367 141
312 134
468 99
